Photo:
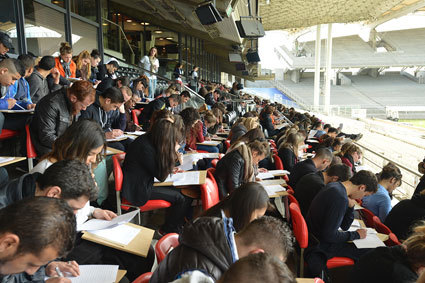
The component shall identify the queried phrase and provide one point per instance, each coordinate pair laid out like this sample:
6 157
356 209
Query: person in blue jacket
18 98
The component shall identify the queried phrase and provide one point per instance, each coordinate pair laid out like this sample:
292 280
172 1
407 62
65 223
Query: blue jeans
152 88
212 149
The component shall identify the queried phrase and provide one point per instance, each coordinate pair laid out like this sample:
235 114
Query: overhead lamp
119 14
129 21
158 31
169 38
161 38
144 24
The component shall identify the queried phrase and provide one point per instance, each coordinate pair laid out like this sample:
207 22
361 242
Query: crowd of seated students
233 241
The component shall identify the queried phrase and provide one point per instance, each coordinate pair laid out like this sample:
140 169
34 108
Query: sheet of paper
273 189
313 141
121 234
97 224
281 126
18 111
356 223
357 207
311 134
136 133
213 143
6 159
189 178
370 242
96 274
189 159
266 175
120 138
277 172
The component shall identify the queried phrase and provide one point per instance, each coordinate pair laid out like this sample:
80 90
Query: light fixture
105 24
55 2
169 38
158 31
144 24
119 14
161 38
129 21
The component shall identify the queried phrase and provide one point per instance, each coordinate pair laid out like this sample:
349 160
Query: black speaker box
253 57
250 28
208 14
240 66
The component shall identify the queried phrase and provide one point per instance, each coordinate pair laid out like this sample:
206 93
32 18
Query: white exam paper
273 189
97 224
121 234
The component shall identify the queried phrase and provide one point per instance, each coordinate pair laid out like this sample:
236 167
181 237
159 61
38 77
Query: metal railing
376 161
299 101
111 44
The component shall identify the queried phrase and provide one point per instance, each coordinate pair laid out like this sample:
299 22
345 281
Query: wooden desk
138 246
219 138
14 160
279 194
305 280
382 237
113 151
223 134
202 177
209 143
120 275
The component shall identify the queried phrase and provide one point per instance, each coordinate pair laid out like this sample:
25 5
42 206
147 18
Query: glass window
44 29
8 24
84 36
84 8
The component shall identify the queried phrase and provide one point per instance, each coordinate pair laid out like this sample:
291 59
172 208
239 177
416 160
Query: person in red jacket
67 68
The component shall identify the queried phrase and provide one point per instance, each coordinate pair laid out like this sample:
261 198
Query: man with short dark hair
34 232
107 70
311 184
155 105
38 84
332 132
11 70
55 112
331 209
319 162
100 111
184 97
5 45
210 245
109 82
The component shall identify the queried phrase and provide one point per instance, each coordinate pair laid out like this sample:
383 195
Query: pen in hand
16 104
58 271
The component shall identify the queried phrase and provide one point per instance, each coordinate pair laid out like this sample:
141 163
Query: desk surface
202 177
120 275
112 151
17 111
14 160
273 182
138 246
209 143
305 280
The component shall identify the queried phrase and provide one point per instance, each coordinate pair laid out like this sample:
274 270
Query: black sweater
329 211
288 158
307 188
406 214
300 170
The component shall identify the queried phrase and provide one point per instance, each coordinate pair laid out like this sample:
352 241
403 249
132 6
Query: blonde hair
415 246
87 71
293 141
250 123
210 118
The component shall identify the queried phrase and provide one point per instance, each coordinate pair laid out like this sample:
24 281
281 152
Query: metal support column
100 29
68 25
328 70
317 54
20 26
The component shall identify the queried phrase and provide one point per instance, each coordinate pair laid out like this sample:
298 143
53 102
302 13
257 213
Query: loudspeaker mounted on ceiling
250 27
208 14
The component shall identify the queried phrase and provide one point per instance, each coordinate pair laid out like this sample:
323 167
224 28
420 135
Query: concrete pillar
317 55
295 76
328 73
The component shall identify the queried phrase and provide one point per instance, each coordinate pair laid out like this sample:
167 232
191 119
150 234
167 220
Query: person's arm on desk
103 214
349 215
58 280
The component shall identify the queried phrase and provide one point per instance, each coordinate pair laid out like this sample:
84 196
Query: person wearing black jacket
153 155
5 45
210 245
405 215
155 105
105 103
311 184
397 264
55 112
109 82
107 70
331 209
266 121
321 161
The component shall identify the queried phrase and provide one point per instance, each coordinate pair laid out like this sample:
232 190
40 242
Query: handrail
123 33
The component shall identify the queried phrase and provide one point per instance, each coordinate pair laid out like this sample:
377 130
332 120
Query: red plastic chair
210 174
392 240
214 162
7 134
318 280
367 217
289 189
144 278
165 245
31 153
292 199
123 204
279 165
383 229
299 227
134 114
209 194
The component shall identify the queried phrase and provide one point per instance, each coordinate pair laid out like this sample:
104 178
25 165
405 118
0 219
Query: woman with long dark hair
150 156
244 204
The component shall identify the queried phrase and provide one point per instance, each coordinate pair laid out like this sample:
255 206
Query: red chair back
299 226
134 114
209 194
367 217
144 278
31 153
227 144
392 240
117 159
292 199
7 134
210 174
318 280
165 245
277 162
214 162
289 189
381 227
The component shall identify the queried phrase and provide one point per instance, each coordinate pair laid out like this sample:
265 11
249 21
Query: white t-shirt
82 214
146 64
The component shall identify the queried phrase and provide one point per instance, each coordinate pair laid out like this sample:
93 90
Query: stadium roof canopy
297 14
